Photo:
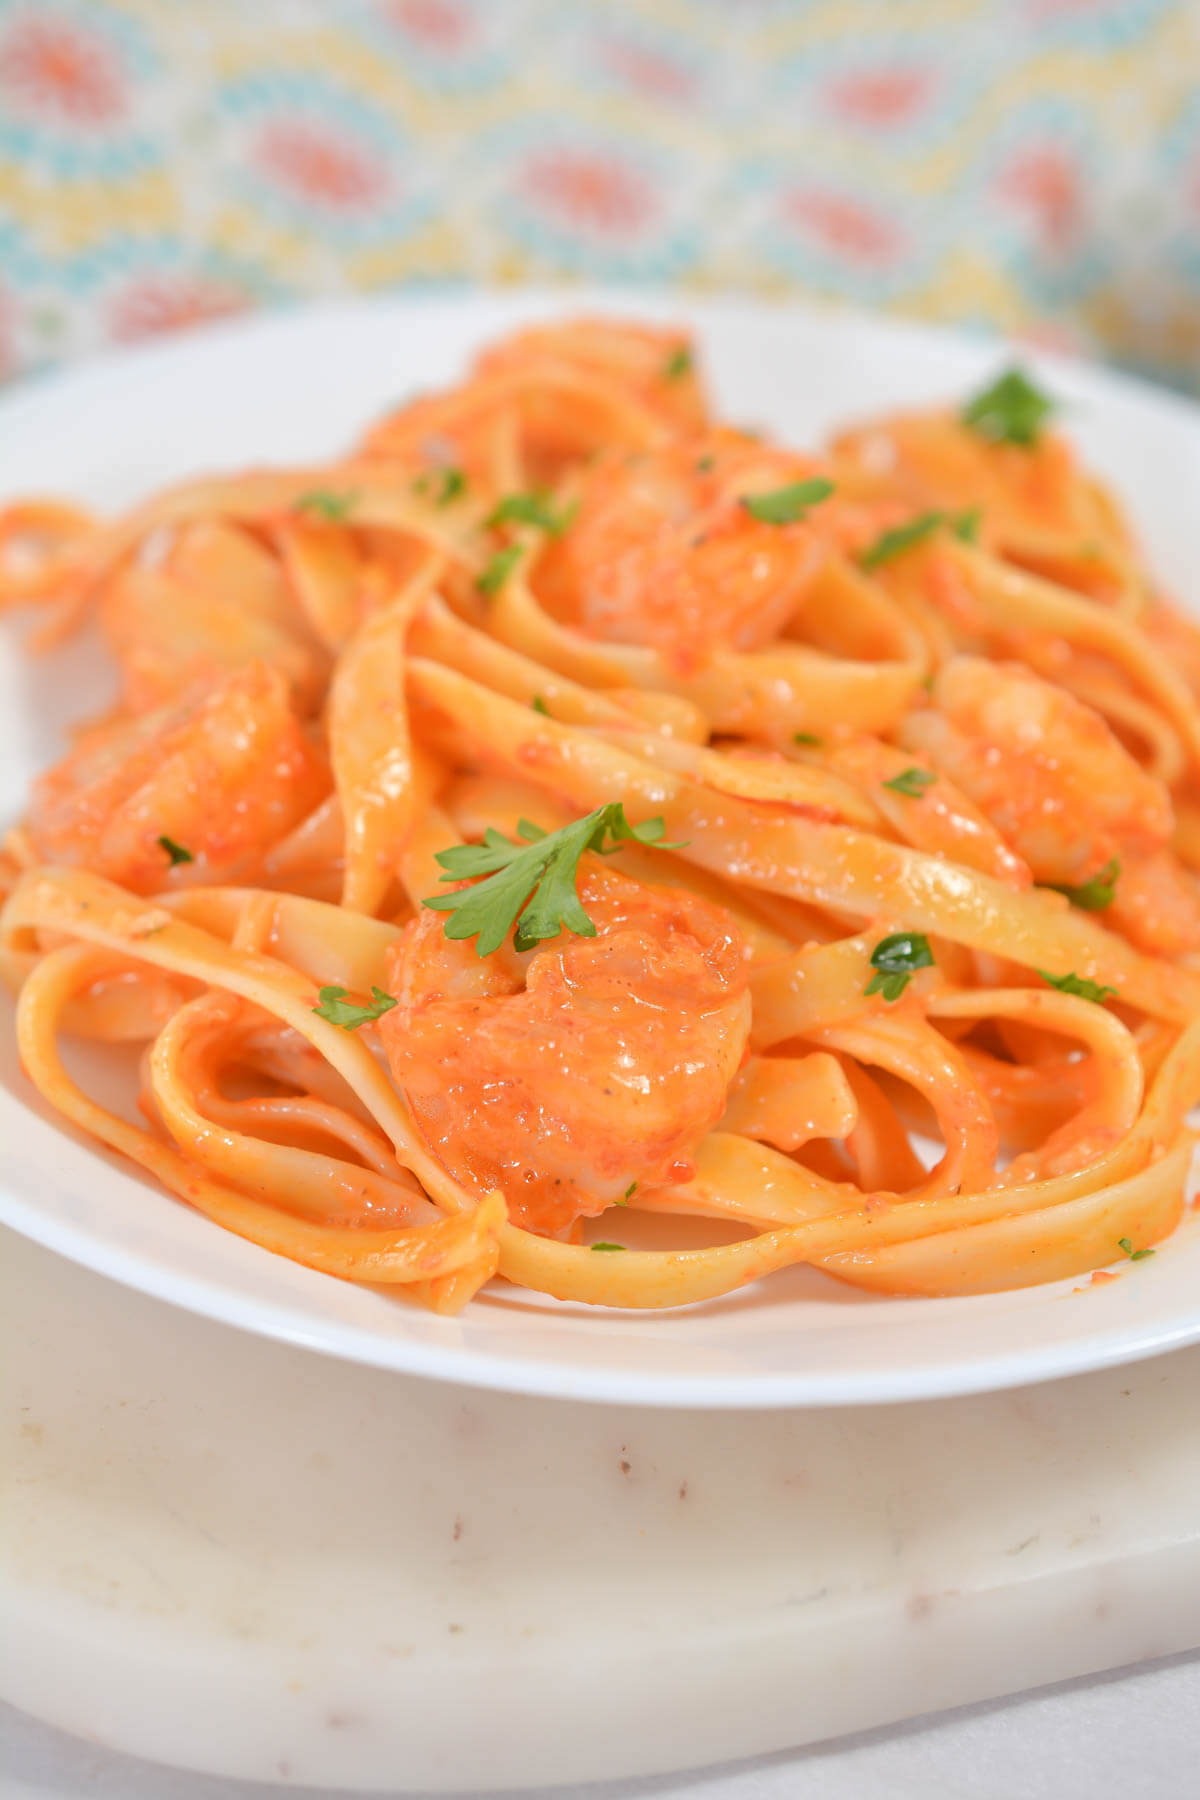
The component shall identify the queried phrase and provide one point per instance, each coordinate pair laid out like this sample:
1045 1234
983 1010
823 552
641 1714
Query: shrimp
1047 770
1063 792
569 1074
216 600
221 774
664 553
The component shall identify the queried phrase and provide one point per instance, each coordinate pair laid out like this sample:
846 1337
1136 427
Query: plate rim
284 1321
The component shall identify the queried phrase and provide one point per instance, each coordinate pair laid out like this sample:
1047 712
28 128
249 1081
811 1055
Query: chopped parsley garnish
325 505
494 575
895 960
539 706
630 1191
783 506
805 737
911 782
964 525
1096 894
452 483
1011 411
532 509
1126 1244
445 485
704 464
531 879
350 1014
608 1246
175 851
1079 984
899 539
678 364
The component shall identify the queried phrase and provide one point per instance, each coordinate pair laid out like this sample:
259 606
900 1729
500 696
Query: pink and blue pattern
1028 165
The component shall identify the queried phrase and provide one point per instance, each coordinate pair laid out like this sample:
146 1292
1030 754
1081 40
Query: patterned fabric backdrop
1030 164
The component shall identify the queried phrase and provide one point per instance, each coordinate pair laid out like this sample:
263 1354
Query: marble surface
1119 1736
236 1557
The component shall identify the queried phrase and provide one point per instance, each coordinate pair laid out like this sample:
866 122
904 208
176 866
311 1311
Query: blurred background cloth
1030 165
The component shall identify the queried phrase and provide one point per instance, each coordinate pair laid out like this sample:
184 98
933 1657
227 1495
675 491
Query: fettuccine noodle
876 951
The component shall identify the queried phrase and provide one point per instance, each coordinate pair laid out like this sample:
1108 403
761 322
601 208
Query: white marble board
229 1555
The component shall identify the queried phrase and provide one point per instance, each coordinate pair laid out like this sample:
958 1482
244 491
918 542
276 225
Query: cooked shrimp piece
1048 771
664 553
215 601
566 1074
222 774
931 813
1156 904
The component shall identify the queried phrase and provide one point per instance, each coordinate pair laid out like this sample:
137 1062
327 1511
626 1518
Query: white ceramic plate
299 386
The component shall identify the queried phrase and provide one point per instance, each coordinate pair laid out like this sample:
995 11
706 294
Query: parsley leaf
1096 894
453 483
608 1246
532 509
911 782
1079 984
494 575
895 960
704 464
805 737
531 883
349 1014
539 706
901 538
445 484
964 525
783 506
678 364
1125 1244
324 504
1011 411
175 851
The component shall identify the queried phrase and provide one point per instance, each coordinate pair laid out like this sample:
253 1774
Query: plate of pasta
609 847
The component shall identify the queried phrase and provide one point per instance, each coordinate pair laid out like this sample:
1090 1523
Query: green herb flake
530 881
608 1246
494 575
895 960
705 464
325 505
1126 1244
890 544
1096 894
1079 984
450 484
806 738
785 505
532 509
1011 411
175 851
911 783
538 705
338 1009
630 1191
965 525
680 363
